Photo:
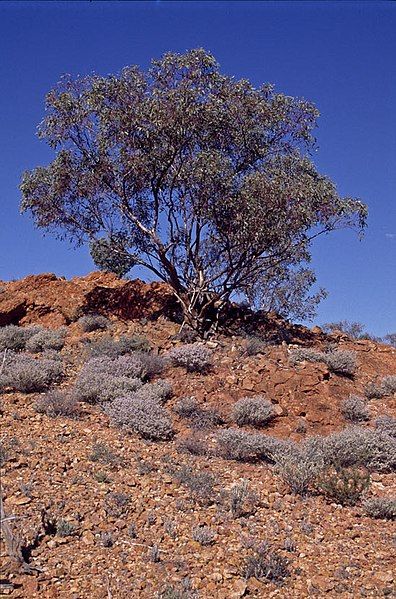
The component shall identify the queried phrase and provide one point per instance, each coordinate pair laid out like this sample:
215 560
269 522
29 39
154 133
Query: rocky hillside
138 461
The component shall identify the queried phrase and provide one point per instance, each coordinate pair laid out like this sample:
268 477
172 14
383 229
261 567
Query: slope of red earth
132 520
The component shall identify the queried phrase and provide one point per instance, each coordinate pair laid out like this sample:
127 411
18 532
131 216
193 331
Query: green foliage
109 255
203 179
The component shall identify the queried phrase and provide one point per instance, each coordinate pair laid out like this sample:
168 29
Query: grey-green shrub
58 403
46 339
22 372
256 411
299 464
101 387
339 361
354 409
160 391
236 444
381 507
147 418
112 348
93 322
194 357
358 446
386 424
204 535
14 338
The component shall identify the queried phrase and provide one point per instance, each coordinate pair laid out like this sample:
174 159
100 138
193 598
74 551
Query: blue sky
340 55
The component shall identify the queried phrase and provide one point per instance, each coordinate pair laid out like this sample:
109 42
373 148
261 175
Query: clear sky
341 55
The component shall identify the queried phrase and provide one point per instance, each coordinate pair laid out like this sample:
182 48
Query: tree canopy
204 180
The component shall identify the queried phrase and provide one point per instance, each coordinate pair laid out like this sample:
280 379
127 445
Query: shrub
186 407
14 338
387 425
153 364
65 528
357 446
255 346
112 348
193 357
102 387
103 454
126 366
256 411
381 507
241 499
58 403
26 374
343 485
341 362
266 564
194 445
159 391
46 339
102 379
116 504
389 384
144 417
204 535
200 418
305 354
299 464
235 444
354 409
374 391
201 484
93 322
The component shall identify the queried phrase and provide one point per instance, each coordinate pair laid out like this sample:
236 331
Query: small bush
116 504
93 322
103 454
374 391
342 362
234 444
255 346
357 446
256 411
65 528
26 374
194 445
343 485
354 409
305 354
14 338
299 465
201 484
204 535
103 379
389 384
102 388
58 403
241 499
186 407
153 364
193 357
266 564
46 339
147 418
387 425
381 507
159 391
112 348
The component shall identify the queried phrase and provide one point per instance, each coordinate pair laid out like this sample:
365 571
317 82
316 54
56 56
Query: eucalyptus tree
204 180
